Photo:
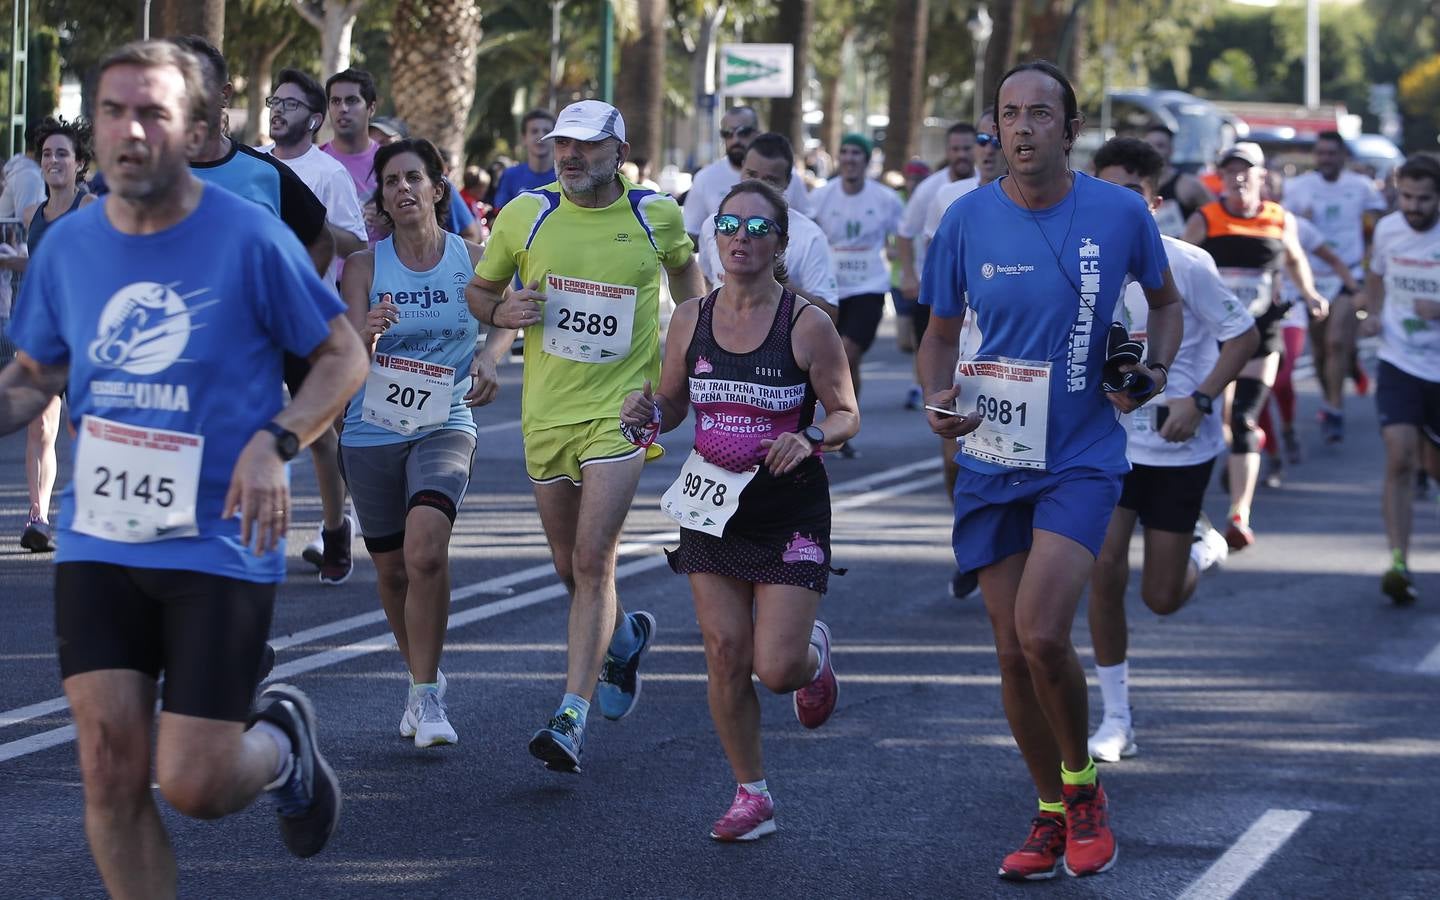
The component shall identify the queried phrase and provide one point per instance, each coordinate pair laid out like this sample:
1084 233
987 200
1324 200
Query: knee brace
434 500
1250 397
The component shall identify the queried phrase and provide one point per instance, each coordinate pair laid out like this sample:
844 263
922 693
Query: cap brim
577 133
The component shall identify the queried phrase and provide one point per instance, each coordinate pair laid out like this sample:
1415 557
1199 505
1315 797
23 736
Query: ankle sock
284 755
1397 560
1056 808
755 788
626 639
579 704
1115 689
1083 777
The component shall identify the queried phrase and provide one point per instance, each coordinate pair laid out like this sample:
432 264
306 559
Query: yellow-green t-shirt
629 243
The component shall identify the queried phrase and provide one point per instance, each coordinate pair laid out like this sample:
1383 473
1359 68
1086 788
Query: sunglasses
755 226
984 140
285 104
742 131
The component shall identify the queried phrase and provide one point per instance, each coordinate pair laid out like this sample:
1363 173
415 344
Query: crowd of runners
1088 345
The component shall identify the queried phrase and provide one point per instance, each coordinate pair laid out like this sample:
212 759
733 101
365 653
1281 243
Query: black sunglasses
742 131
984 140
755 226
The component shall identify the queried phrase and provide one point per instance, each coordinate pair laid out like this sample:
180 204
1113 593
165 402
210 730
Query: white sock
285 752
755 788
1115 689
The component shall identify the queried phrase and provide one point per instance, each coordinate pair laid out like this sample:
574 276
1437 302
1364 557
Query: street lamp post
981 26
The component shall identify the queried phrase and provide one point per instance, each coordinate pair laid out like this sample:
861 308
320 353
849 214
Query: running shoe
1362 378
914 397
1239 535
1397 585
750 816
314 552
408 723
963 584
433 727
1274 473
559 744
38 537
816 701
1208 547
1332 426
1294 451
1113 741
619 685
308 803
1042 854
1089 843
336 562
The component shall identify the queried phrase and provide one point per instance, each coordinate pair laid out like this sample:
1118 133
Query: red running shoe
1090 844
1239 535
816 701
1042 854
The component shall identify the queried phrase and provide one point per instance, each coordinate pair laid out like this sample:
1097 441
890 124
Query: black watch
287 444
1203 402
814 435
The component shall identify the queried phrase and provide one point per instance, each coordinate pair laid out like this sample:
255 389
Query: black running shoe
559 744
1396 585
308 803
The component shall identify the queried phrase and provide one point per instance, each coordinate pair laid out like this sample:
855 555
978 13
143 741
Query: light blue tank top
435 327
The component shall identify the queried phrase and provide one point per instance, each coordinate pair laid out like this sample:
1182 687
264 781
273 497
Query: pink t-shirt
358 165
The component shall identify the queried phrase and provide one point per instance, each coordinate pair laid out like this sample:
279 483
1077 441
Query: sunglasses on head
984 140
742 131
755 226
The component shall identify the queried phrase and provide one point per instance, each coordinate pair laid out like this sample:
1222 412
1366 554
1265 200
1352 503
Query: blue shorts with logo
996 514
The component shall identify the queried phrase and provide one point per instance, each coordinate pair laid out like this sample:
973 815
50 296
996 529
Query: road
1288 718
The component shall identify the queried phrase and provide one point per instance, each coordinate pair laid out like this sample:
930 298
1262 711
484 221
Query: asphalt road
1287 717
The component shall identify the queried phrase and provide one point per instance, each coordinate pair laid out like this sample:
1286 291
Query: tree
176 17
433 47
1419 91
258 34
640 87
1233 74
908 30
335 20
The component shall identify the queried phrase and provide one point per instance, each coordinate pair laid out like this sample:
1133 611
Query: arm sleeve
36 327
942 287
1212 302
293 305
299 207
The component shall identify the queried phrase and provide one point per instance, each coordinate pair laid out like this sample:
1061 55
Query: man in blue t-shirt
538 169
171 534
1038 261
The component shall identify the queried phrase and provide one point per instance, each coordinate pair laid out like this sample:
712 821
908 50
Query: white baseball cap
1245 151
589 120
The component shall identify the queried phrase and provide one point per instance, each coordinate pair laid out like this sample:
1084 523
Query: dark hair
434 170
1161 128
77 131
358 77
960 128
314 96
215 70
534 114
782 215
1134 156
774 146
1332 136
1421 165
157 54
1067 91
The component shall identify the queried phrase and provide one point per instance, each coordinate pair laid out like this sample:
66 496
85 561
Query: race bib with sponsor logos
1252 287
705 496
855 268
1013 399
134 484
406 395
588 321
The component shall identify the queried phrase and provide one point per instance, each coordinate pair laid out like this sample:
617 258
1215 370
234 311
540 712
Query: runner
406 450
1338 202
598 245
738 127
1182 193
1041 258
1402 303
1172 447
1251 239
260 177
172 530
757 545
351 97
65 153
960 145
858 216
538 169
808 271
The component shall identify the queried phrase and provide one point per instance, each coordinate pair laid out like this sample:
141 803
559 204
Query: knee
590 565
1013 664
425 562
781 676
1400 463
728 659
391 577
191 789
1045 651
115 769
1163 600
1112 563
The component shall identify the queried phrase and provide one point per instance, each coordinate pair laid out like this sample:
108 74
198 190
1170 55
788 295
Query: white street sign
757 70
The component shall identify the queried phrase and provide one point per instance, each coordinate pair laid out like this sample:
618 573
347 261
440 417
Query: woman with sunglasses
409 434
753 498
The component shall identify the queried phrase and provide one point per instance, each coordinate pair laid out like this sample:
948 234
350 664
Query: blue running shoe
308 803
559 744
619 685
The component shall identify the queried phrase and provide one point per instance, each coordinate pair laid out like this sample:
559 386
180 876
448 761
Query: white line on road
1430 665
497 426
56 736
1247 856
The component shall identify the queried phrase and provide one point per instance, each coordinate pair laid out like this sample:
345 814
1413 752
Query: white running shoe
1113 741
433 726
407 720
1208 548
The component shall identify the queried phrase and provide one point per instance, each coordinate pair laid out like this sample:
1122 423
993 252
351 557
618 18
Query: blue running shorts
996 514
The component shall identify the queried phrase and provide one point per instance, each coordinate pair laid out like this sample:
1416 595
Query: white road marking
497 426
1430 665
1246 856
54 737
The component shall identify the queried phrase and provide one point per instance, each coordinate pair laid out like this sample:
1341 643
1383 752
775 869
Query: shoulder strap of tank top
797 304
39 215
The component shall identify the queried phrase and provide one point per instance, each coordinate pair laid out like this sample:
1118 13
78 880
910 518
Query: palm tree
907 79
432 69
640 84
793 25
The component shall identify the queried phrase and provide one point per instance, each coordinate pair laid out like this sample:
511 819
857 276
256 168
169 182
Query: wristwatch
287 444
814 435
1203 402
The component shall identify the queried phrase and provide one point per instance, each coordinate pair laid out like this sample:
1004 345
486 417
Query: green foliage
1233 74
1419 90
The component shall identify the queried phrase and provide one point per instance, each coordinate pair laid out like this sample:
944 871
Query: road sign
757 70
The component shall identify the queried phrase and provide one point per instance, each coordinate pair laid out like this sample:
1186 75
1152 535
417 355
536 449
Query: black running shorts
1167 498
1403 399
860 317
204 632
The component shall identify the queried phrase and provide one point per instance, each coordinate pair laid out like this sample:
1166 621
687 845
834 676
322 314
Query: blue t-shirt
1043 286
265 180
461 217
181 331
435 327
518 179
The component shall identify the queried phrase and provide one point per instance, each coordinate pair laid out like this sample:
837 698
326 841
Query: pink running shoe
816 701
750 816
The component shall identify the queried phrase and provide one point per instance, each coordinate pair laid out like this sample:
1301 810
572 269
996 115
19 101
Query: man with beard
738 128
586 254
1402 305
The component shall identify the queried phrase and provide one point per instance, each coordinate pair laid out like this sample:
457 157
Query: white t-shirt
807 258
331 183
715 180
24 186
1212 314
941 202
1409 261
912 223
858 227
1337 208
